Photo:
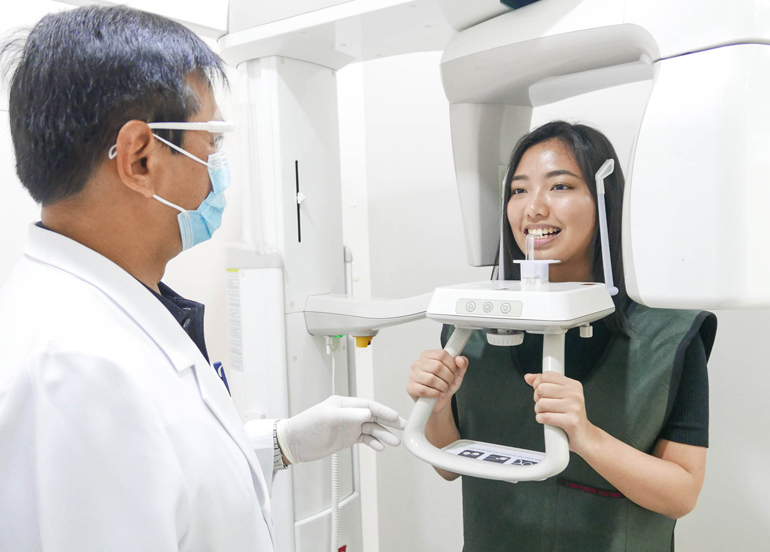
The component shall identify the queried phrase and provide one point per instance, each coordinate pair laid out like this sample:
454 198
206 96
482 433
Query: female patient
633 401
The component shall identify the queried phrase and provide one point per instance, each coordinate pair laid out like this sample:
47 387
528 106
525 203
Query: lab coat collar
138 303
119 286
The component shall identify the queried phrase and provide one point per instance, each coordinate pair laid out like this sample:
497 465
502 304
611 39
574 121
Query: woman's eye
561 187
517 191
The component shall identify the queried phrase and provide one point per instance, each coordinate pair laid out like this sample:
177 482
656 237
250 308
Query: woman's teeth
543 232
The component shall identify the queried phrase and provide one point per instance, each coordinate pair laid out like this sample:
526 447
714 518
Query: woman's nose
538 206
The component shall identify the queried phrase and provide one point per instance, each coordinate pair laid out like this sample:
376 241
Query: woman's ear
137 157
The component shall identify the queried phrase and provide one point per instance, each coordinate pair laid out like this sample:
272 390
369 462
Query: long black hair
590 149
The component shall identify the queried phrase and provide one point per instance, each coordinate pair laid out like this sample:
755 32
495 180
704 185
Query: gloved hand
335 424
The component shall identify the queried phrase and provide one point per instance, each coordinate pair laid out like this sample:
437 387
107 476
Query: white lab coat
115 433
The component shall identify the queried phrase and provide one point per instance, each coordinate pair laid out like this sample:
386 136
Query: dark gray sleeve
688 422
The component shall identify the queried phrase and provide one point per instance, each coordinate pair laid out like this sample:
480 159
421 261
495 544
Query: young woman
633 400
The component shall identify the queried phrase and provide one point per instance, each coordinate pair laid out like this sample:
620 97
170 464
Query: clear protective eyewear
217 128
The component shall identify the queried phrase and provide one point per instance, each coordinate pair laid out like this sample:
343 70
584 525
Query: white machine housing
332 314
505 305
697 177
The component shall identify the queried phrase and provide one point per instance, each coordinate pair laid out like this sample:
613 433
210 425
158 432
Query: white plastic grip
414 433
607 168
556 444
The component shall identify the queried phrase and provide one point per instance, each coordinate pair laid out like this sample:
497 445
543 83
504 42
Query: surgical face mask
199 225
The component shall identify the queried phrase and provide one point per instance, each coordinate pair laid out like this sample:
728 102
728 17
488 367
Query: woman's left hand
559 402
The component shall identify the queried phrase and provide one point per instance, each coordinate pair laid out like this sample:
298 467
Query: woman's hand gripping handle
438 374
434 379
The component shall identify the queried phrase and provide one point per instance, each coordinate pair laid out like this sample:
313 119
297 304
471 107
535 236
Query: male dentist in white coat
116 434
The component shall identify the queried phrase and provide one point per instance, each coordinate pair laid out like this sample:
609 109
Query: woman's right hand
436 375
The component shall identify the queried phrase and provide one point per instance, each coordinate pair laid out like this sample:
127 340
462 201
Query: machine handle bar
556 444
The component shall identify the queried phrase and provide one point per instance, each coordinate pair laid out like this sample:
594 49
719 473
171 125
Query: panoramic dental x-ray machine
701 142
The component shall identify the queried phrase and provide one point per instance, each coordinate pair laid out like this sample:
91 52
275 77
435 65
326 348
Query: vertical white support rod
556 442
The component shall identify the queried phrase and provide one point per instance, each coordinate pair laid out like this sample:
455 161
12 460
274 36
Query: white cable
335 502
335 521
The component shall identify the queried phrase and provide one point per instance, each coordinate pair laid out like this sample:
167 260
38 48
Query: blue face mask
199 225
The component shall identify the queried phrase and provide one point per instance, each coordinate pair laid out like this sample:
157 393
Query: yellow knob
363 341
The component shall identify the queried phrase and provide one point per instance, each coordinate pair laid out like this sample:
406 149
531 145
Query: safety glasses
217 128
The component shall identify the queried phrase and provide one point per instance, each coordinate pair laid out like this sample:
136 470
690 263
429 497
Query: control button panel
506 309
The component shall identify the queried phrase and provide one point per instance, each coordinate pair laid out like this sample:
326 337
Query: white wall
17 209
415 244
734 508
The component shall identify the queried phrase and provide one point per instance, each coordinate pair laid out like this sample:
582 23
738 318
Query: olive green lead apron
626 395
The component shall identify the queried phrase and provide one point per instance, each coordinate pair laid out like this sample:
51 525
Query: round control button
487 307
506 308
470 306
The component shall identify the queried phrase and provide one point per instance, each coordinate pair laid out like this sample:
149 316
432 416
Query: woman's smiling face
550 199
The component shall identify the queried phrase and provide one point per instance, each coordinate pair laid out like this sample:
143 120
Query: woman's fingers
434 381
552 385
435 368
461 362
442 357
550 390
559 401
437 365
556 419
417 390
552 405
435 374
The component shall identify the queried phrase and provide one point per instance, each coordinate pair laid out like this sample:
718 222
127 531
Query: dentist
115 431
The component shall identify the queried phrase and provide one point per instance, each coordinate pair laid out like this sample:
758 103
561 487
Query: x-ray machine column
289 165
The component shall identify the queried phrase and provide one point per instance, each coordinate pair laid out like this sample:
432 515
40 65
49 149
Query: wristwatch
278 463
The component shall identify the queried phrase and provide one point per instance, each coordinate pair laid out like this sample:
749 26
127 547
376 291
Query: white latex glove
335 424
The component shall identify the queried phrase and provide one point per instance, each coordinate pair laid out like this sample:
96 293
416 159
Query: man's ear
136 157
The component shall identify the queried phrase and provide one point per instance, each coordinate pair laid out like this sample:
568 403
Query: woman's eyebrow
560 173
520 177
